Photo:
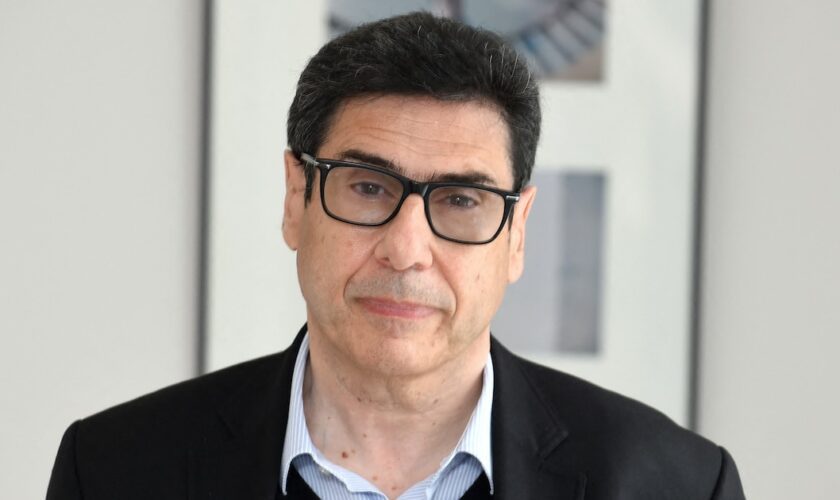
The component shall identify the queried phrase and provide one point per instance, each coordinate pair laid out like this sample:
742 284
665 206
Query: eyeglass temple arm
308 159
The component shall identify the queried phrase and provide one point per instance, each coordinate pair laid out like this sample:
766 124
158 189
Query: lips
396 309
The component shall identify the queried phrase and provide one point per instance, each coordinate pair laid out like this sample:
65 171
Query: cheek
315 261
482 282
328 256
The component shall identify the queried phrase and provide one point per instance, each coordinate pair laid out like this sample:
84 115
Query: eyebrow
468 177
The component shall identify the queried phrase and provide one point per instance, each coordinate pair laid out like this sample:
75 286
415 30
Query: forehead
422 136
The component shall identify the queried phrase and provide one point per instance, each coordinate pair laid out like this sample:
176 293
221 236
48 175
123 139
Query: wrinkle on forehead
467 175
419 135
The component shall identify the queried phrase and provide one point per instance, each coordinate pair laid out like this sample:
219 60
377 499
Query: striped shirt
456 474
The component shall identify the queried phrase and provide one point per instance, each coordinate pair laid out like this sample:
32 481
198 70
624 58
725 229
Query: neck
392 430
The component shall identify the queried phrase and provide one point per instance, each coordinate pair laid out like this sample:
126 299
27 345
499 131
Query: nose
407 239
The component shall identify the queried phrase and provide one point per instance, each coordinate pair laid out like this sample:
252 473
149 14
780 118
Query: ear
517 233
293 205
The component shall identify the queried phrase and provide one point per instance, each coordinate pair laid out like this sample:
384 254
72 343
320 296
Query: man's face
396 299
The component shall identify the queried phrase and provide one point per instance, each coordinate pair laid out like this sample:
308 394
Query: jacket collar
245 463
526 434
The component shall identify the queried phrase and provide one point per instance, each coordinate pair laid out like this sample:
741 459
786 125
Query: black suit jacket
221 436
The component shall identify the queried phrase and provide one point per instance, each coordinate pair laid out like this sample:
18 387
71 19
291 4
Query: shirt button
323 471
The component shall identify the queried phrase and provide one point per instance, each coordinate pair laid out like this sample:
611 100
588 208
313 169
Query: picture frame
632 131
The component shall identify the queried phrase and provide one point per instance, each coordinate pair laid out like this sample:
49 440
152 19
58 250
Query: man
411 144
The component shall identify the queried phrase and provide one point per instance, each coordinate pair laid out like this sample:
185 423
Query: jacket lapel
245 463
525 434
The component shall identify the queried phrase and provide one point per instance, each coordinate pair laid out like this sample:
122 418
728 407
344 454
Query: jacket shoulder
623 444
149 446
156 431
584 404
186 401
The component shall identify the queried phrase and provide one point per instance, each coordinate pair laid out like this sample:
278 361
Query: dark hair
418 54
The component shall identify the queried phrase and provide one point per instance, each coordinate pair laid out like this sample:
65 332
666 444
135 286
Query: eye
368 189
461 200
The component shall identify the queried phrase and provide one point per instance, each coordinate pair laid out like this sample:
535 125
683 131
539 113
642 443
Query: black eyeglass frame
424 189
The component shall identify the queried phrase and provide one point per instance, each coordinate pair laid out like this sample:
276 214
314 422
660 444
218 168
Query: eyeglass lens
364 196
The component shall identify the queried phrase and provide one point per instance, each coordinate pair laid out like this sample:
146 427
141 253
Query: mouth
396 309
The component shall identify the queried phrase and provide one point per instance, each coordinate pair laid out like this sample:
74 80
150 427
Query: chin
400 353
401 328
402 366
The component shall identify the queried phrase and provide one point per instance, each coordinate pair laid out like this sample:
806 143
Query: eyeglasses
365 195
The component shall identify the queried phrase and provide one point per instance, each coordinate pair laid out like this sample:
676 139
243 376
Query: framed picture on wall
606 293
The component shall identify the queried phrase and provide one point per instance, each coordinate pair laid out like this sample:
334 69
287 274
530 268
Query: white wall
99 124
99 155
771 303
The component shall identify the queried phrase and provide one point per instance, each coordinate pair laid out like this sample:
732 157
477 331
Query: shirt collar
474 441
476 438
297 440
